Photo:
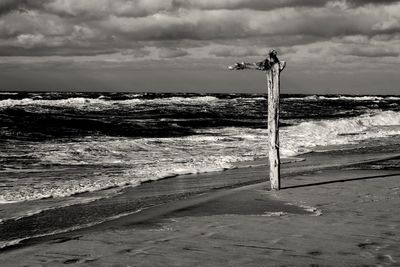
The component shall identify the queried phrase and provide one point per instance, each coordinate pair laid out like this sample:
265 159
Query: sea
60 149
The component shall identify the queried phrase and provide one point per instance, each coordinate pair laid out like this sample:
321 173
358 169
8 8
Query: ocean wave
102 102
354 98
60 190
144 115
141 160
211 149
76 102
339 97
153 136
42 119
395 98
305 136
8 93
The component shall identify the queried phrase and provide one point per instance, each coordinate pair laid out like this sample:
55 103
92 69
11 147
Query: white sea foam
8 93
75 102
350 98
393 98
101 103
4 244
354 98
305 136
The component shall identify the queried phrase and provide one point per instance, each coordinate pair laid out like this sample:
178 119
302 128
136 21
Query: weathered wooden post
272 66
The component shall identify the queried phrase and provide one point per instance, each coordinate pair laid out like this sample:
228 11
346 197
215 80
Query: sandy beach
332 216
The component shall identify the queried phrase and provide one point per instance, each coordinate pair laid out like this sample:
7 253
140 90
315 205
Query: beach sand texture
340 216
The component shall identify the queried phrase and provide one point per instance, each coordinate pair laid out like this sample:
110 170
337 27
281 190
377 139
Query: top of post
272 60
273 56
264 65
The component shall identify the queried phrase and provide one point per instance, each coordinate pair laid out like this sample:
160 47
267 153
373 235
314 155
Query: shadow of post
341 181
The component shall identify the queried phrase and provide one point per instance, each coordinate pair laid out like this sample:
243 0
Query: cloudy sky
340 46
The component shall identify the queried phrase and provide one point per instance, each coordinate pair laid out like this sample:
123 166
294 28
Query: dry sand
329 218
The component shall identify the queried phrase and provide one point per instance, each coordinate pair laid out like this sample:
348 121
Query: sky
331 47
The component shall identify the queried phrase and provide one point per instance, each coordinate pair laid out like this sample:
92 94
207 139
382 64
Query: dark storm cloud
225 28
233 24
7 6
141 8
247 4
374 2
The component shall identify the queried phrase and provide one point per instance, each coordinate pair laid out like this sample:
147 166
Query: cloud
30 40
232 51
140 8
33 22
122 36
103 8
373 2
7 6
168 29
374 52
172 53
247 4
325 22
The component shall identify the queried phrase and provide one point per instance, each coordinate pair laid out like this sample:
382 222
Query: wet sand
338 216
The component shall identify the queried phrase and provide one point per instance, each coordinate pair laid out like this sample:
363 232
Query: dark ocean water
44 116
56 145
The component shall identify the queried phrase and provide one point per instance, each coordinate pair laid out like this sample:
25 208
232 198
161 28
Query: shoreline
345 216
313 162
90 196
186 186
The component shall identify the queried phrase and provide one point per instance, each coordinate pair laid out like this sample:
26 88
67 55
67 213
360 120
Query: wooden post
272 66
273 126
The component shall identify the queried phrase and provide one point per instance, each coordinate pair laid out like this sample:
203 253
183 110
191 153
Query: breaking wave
101 103
344 98
134 161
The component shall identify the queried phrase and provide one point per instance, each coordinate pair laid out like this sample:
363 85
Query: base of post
274 188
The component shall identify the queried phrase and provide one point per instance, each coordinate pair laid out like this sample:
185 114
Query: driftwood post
272 66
